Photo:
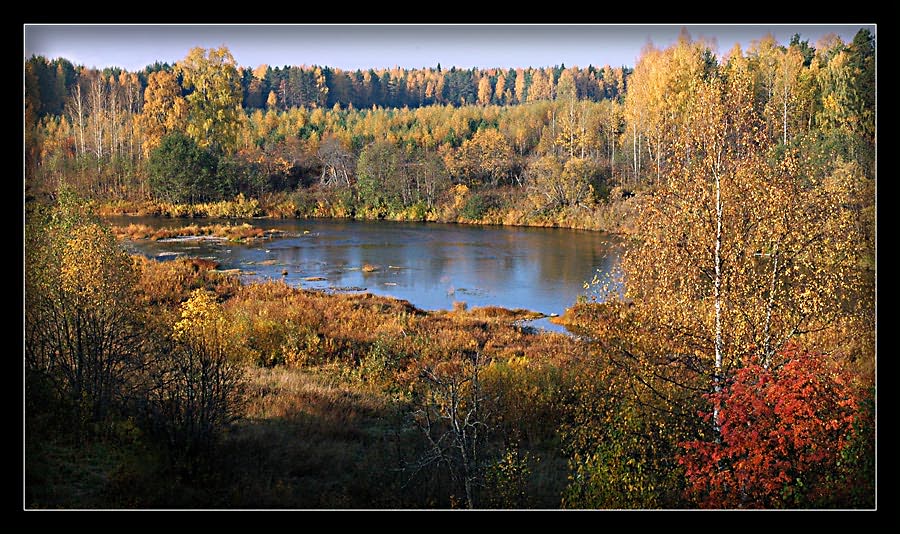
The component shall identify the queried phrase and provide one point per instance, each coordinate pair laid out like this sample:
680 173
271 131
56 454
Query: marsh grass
232 232
508 207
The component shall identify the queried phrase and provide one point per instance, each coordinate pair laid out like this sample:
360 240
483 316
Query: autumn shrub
299 327
621 448
385 358
117 207
284 209
232 232
506 480
629 465
175 211
786 437
477 206
524 394
500 206
82 333
197 383
239 208
275 320
417 212
305 201
856 465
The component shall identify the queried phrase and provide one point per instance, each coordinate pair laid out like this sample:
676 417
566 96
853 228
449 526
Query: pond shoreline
435 267
199 218
616 218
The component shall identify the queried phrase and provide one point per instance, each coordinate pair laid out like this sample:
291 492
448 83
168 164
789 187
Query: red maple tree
784 436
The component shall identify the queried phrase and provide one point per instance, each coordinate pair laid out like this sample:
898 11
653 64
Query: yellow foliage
93 270
204 327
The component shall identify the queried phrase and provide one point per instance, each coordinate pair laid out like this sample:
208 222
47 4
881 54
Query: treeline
49 82
184 147
266 87
559 152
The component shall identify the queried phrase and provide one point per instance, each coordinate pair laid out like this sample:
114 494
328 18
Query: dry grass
299 327
311 440
310 397
617 215
314 439
170 283
232 232
504 314
328 396
239 208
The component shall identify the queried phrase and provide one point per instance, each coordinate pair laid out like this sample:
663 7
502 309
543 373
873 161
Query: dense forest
281 88
736 370
281 131
531 146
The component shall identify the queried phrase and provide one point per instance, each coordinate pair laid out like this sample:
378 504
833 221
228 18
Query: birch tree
164 110
739 254
784 99
451 416
214 104
484 91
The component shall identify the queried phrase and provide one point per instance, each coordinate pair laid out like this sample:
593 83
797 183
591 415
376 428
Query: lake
429 264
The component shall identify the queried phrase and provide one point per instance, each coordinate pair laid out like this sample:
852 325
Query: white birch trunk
717 385
770 304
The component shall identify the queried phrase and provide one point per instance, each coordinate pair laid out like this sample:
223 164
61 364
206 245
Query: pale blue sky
409 46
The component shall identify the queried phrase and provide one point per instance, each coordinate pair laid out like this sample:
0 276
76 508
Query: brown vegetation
617 215
232 232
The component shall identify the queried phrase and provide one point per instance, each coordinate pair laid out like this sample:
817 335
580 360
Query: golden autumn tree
81 333
484 90
500 89
32 107
577 127
610 113
566 88
555 183
131 102
540 88
738 256
658 98
520 86
763 56
485 157
198 383
164 111
785 97
214 103
742 252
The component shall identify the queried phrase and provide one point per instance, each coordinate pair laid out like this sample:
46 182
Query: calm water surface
430 265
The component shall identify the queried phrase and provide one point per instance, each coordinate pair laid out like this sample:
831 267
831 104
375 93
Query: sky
352 47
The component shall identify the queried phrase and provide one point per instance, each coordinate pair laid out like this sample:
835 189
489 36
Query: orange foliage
783 434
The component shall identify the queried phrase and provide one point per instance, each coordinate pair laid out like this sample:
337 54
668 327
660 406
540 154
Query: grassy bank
507 207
